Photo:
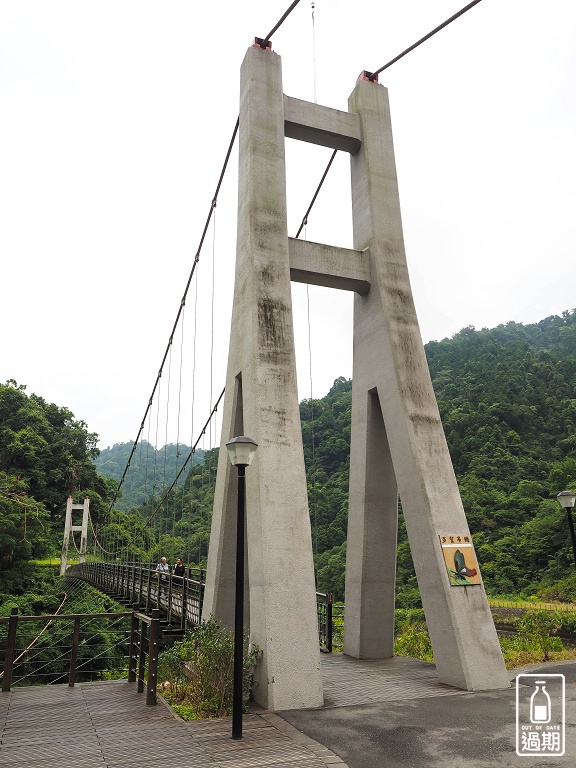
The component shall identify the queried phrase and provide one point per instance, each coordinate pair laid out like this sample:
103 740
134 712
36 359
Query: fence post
148 587
74 652
10 649
142 656
329 602
184 599
201 578
153 649
140 582
133 588
132 655
170 592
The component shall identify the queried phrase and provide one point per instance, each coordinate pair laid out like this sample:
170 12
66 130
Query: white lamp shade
241 450
566 498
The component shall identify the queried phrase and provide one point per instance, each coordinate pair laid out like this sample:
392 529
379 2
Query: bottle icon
540 706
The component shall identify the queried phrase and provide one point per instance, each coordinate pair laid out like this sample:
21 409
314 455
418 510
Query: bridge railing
180 598
324 610
79 648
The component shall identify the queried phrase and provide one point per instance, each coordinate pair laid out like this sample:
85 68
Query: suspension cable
159 506
287 13
314 52
318 188
183 467
180 309
373 75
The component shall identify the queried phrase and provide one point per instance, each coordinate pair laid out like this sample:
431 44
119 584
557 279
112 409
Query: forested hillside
507 397
45 455
150 469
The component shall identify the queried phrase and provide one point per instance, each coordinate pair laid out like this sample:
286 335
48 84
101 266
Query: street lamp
567 499
241 450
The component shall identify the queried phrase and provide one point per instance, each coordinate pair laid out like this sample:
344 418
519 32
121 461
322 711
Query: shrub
537 628
412 638
198 672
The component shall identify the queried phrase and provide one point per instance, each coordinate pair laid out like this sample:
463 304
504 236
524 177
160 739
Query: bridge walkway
107 724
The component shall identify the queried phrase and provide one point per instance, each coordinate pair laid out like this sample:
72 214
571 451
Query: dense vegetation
535 637
45 455
150 469
507 397
198 671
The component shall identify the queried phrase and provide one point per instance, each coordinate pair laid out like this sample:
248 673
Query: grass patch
536 639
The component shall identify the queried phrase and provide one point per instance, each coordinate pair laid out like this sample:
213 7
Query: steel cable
372 76
277 26
180 310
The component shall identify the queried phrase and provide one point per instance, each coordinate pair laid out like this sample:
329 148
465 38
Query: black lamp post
241 450
567 499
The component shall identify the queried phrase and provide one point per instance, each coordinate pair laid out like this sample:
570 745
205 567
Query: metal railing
63 657
324 606
180 598
526 605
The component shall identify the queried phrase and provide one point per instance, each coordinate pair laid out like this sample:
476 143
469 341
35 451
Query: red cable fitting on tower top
365 75
259 43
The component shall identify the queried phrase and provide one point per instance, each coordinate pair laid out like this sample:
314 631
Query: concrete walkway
397 720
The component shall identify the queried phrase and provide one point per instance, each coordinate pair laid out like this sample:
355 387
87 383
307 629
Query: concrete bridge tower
398 445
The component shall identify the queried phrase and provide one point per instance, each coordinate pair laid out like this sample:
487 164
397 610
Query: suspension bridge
398 447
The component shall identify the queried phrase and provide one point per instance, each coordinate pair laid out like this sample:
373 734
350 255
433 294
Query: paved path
349 681
108 725
392 725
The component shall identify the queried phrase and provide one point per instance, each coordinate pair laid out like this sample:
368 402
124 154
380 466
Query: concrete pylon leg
66 539
283 620
84 532
386 333
372 529
220 590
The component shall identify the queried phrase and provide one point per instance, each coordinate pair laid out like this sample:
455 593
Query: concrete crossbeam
328 265
320 125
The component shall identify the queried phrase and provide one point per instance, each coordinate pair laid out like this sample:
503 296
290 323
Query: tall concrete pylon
70 528
398 444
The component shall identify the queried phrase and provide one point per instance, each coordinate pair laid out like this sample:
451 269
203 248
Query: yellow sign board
460 559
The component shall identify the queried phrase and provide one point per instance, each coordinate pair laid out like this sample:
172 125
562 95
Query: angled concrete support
372 526
389 359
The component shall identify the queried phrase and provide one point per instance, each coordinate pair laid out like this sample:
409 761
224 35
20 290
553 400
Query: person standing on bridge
163 569
179 568
179 572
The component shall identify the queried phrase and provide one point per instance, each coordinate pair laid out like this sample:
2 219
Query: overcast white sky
114 120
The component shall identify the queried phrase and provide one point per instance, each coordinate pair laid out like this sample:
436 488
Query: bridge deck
108 724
